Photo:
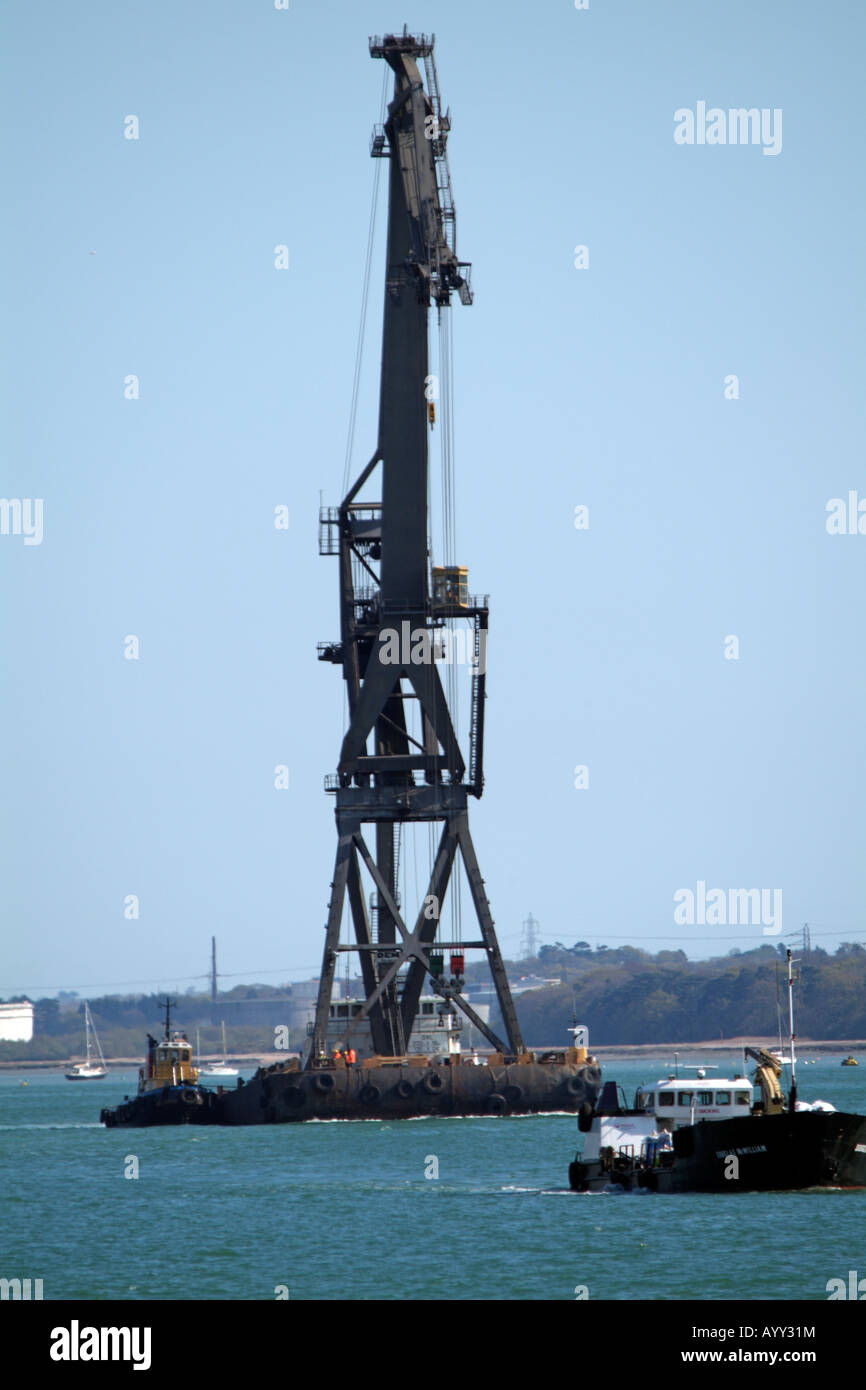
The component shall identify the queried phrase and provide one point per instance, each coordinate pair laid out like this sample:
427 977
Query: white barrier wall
16 1022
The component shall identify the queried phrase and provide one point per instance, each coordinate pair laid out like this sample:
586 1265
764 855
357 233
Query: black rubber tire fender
576 1179
404 1088
433 1084
574 1085
513 1094
370 1094
585 1116
324 1082
496 1104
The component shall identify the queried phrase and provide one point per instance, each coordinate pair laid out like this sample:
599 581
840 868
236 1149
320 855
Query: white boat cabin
661 1108
675 1102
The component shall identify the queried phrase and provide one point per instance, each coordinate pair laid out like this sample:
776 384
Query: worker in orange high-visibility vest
337 1055
351 1057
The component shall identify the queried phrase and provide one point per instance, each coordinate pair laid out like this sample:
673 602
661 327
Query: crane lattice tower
393 609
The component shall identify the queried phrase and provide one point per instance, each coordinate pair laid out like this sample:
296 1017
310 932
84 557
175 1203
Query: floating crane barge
395 608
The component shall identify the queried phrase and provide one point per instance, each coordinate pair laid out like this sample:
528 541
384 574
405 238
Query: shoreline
612 1052
626 1051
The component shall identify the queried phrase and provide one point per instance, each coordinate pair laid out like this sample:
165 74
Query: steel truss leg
369 959
485 921
345 854
414 946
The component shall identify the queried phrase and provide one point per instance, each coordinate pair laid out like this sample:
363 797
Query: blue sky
602 386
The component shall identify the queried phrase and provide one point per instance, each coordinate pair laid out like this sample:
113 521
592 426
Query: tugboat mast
393 611
792 1101
167 1004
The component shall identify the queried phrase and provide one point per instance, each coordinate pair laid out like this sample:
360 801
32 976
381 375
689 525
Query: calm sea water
344 1210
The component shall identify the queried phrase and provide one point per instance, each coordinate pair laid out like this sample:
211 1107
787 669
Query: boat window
666 1098
426 1008
342 1011
705 1097
174 1054
685 1097
723 1097
743 1098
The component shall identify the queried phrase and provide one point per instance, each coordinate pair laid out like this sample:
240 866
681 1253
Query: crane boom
767 1074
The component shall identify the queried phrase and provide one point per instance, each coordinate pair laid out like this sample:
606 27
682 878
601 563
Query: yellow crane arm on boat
767 1077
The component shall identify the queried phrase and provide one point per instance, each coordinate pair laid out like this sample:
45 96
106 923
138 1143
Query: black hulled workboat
710 1136
168 1089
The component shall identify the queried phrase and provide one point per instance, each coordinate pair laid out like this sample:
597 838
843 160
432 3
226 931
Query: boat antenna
792 1102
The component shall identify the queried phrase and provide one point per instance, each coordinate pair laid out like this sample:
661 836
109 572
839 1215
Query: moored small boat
219 1071
89 1070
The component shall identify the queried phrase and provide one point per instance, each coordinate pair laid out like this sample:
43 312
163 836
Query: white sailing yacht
89 1071
219 1069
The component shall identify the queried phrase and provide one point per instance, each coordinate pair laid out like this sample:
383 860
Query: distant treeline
123 1021
624 995
629 996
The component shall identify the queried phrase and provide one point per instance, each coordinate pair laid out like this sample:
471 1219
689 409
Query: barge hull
279 1095
372 1093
